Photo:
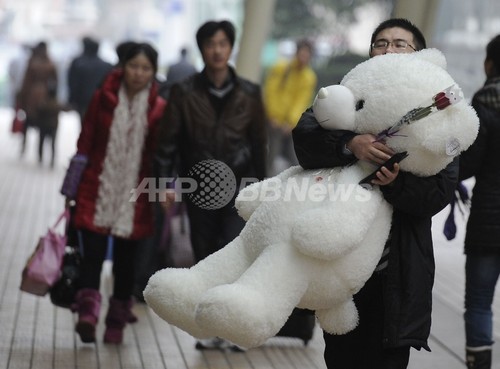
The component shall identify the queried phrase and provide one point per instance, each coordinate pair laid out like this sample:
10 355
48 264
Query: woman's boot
478 359
119 314
87 305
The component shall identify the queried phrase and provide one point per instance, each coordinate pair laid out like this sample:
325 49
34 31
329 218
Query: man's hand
385 176
167 199
366 147
69 202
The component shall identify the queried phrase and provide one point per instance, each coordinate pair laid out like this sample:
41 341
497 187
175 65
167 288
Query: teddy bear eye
360 104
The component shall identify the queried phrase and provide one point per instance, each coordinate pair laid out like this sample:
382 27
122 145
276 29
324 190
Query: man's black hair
209 28
304 42
90 46
493 53
418 37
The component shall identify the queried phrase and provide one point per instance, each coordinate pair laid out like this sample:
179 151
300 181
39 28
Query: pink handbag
18 121
43 267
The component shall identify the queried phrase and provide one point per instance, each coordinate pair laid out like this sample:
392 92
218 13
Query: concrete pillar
422 13
256 27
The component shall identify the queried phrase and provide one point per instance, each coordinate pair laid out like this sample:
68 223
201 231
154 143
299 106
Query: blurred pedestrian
213 115
288 90
482 247
85 74
114 155
40 77
17 70
152 257
177 72
48 123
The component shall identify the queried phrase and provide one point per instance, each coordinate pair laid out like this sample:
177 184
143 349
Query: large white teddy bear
313 237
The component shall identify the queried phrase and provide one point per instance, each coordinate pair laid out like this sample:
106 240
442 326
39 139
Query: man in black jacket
213 127
395 304
482 247
85 74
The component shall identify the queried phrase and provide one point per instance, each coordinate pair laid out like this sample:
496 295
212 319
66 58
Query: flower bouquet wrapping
440 101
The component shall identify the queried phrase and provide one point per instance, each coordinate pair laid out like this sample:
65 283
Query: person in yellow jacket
288 91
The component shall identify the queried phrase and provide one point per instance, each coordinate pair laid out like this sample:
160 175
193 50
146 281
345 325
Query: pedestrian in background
214 114
85 74
152 256
177 72
48 123
482 247
288 91
114 154
16 72
395 304
40 78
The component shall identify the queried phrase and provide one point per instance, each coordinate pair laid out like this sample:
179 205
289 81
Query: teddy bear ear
432 55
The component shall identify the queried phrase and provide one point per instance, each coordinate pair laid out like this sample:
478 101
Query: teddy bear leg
173 293
340 319
257 305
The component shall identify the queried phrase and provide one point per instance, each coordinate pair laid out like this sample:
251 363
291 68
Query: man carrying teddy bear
395 304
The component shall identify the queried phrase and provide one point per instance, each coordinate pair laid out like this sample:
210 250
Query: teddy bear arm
250 197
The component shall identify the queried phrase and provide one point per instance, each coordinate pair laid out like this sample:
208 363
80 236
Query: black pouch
63 292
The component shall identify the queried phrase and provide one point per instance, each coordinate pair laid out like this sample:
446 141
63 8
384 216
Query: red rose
441 101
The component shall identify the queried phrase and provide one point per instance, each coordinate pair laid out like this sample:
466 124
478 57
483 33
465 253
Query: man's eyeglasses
397 44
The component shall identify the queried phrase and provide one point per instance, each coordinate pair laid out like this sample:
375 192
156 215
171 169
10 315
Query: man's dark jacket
193 130
410 273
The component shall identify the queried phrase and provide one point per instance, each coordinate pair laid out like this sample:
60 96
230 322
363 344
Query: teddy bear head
379 92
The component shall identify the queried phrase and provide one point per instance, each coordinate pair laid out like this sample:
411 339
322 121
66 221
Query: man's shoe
217 343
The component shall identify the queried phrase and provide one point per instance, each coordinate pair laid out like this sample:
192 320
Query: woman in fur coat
39 79
114 154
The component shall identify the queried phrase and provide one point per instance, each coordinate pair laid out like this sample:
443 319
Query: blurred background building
462 29
340 28
167 24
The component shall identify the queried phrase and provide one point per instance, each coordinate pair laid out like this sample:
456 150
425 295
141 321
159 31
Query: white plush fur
313 237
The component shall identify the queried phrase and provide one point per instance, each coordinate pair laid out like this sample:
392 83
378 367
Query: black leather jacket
192 129
410 273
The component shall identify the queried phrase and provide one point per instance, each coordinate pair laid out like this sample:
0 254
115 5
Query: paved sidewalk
447 333
34 334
